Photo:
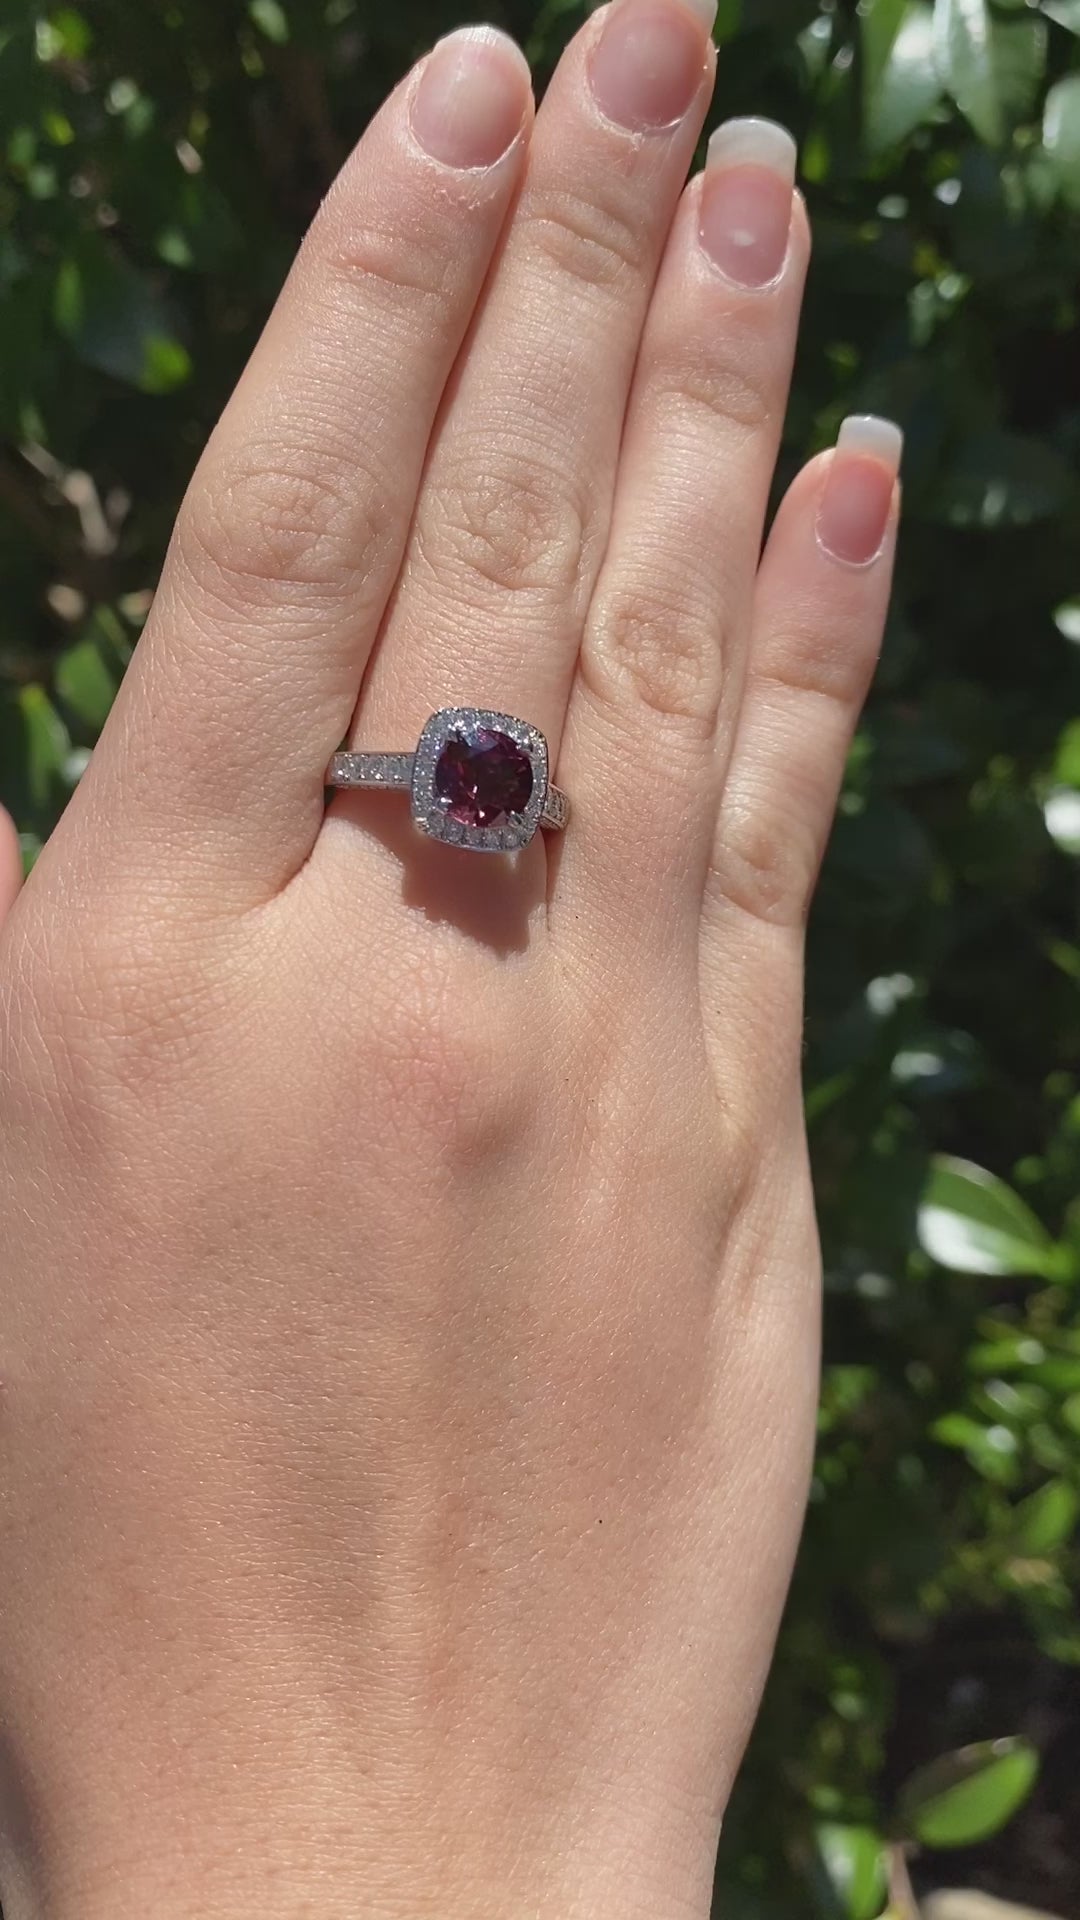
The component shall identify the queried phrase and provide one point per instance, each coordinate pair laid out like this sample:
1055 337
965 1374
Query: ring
477 780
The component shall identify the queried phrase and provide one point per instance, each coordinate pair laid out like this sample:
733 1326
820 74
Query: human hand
409 1321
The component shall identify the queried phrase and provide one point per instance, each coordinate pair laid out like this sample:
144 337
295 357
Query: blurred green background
160 160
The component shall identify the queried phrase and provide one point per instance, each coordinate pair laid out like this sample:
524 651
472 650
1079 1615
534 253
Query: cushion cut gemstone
481 776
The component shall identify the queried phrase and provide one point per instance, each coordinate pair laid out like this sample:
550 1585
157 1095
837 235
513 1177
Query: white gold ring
477 780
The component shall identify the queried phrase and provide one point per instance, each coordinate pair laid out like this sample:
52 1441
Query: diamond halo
430 812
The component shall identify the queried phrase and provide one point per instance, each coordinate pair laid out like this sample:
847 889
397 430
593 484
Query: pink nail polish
745 214
469 106
648 64
857 503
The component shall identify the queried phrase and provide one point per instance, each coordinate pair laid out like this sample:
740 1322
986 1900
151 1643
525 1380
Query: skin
409 1316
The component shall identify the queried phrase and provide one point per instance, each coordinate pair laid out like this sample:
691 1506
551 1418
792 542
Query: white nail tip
706 11
481 31
483 36
868 433
753 143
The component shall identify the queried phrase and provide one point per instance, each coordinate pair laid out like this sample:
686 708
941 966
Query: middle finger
513 514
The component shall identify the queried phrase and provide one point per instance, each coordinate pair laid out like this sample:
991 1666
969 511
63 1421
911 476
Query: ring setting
478 780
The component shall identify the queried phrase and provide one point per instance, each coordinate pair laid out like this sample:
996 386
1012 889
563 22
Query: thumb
10 864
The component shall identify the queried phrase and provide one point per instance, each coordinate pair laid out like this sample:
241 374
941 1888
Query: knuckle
815 662
649 645
519 530
597 243
710 389
389 268
766 866
265 524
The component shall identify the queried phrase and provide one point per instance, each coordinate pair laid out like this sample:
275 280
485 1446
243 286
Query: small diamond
482 776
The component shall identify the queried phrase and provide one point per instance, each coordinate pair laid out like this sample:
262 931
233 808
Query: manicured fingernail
470 104
746 200
647 67
853 517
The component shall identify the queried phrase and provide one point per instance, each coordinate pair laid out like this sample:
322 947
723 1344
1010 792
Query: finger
661 666
514 511
291 535
10 864
819 613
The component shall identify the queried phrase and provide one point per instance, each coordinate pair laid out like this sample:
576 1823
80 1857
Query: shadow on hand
490 897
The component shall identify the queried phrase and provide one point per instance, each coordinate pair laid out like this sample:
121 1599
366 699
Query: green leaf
991 66
825 1095
1061 136
1064 13
1070 1412
854 1860
1018 48
58 127
48 743
64 35
1045 1520
879 23
971 1221
728 21
173 245
968 1795
270 17
962 30
906 87
84 683
37 747
118 322
68 299
1067 757
991 1451
166 364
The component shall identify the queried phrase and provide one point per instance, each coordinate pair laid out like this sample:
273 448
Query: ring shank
394 772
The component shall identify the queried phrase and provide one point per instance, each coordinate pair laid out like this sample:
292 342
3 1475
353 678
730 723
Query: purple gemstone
481 776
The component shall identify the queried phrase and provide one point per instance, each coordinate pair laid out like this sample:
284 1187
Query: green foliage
854 1862
158 163
968 1795
971 1221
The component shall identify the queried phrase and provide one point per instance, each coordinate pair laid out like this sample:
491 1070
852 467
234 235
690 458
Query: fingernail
469 106
647 67
746 200
853 517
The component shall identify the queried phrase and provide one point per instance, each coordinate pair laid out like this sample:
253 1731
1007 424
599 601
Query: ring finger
513 515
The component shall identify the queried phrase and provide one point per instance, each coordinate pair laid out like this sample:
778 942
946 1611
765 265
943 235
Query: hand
409 1317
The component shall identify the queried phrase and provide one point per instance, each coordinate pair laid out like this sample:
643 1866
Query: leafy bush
159 163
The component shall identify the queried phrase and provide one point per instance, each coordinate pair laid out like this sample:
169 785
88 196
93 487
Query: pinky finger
10 864
819 610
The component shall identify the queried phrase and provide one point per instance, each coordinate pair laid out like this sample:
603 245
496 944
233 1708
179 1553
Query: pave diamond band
371 770
477 779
